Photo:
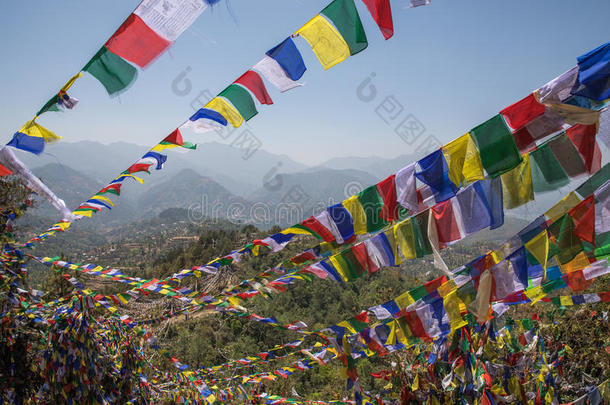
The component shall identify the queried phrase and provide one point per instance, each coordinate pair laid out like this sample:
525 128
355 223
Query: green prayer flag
418 292
372 204
496 145
111 70
50 105
345 17
568 244
420 234
594 182
602 245
353 266
467 293
547 173
241 100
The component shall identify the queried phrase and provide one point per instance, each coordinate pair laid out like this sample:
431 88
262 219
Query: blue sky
451 65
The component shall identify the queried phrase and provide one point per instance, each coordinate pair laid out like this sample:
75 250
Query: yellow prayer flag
139 180
403 234
539 248
325 41
517 184
353 206
535 294
226 110
392 241
447 288
71 81
566 301
578 263
296 231
339 267
451 302
101 197
463 159
415 385
404 300
32 128
562 207
83 213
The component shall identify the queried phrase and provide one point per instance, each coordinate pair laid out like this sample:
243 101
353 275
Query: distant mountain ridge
250 190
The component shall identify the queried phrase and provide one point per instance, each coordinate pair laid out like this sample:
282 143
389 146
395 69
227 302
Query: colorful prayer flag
241 100
344 16
325 41
32 137
496 145
152 28
113 72
253 82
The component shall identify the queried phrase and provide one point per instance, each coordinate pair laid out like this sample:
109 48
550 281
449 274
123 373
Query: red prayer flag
446 224
137 42
382 14
387 191
576 281
175 138
363 257
139 167
434 285
4 171
416 325
314 225
522 112
583 138
604 296
524 140
253 82
583 216
116 187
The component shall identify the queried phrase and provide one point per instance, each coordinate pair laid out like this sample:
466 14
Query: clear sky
451 65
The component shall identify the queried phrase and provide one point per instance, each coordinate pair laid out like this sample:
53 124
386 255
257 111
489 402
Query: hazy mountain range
214 181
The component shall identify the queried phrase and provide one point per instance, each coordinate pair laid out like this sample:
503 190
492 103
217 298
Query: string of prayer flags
496 145
112 72
282 65
381 11
32 137
325 41
152 28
